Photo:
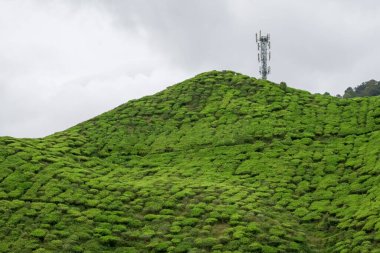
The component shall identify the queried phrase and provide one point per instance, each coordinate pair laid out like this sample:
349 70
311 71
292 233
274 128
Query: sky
65 61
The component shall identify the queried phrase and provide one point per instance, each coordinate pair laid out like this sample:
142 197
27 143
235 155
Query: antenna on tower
264 55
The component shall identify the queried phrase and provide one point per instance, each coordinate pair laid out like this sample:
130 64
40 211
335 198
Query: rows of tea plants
218 163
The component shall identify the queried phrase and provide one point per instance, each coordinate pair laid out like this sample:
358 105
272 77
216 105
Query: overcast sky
62 62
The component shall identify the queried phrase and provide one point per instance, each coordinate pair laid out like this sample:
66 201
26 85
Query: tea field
221 162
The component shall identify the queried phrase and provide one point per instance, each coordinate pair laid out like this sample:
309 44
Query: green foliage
218 163
366 89
206 242
109 240
38 233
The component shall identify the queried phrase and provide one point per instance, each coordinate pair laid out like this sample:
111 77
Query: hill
218 163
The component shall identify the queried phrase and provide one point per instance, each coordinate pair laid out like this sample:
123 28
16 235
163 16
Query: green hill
218 163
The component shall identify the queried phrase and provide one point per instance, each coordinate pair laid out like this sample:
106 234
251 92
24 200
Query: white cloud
61 66
63 62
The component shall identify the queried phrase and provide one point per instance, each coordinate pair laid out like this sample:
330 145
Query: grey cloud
309 37
192 34
63 62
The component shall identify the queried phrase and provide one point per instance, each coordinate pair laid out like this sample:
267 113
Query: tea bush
218 163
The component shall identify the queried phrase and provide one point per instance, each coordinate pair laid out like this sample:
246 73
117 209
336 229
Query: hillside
218 163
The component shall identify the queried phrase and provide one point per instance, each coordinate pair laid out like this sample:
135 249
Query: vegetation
366 89
218 163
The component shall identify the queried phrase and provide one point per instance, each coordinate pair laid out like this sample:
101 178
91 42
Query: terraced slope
218 163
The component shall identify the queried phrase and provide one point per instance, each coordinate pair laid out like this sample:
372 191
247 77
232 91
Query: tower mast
264 55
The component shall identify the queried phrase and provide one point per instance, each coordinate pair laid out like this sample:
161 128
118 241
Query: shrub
39 233
110 240
175 229
206 242
197 212
253 227
152 207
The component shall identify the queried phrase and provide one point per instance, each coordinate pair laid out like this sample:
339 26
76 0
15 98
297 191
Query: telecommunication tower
263 56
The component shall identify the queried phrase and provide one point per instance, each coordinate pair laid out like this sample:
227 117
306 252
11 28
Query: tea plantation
218 163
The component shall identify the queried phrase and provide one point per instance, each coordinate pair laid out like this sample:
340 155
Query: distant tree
366 89
349 93
283 86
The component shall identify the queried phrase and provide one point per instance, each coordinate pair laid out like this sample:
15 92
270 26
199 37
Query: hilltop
221 162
